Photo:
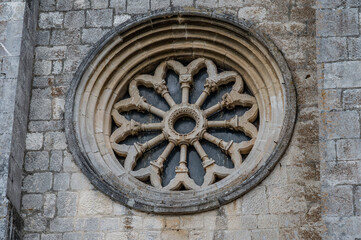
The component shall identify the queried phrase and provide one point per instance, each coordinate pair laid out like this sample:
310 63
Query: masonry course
58 202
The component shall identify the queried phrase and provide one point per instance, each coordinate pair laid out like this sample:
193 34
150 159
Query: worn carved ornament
194 81
167 132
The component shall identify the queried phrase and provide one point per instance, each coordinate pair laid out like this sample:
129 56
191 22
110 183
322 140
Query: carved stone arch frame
276 97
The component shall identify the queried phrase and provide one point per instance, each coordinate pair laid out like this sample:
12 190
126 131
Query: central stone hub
184 123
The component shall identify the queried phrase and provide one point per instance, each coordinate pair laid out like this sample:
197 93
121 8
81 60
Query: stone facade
318 175
338 40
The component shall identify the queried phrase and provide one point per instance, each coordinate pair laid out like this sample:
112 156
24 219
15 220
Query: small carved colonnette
235 97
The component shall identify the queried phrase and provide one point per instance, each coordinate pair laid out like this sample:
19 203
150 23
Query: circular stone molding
140 52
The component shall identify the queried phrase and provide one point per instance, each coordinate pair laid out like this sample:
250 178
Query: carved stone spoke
182 179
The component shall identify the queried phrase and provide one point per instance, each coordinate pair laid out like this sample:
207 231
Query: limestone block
31 202
34 141
80 182
159 4
52 236
349 149
74 19
98 4
109 224
94 203
51 20
338 22
285 199
119 19
62 225
61 181
64 5
255 202
99 18
332 49
37 182
35 161
49 205
138 6
42 67
265 234
55 141
35 223
81 4
336 125
86 224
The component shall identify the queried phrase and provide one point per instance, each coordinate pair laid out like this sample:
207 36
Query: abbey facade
180 119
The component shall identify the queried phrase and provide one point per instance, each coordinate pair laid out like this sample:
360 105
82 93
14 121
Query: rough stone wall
339 66
17 22
58 202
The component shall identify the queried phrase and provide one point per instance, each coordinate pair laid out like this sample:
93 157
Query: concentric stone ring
184 110
139 52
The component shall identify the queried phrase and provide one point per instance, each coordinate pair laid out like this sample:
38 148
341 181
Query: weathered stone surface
284 199
74 19
45 126
99 18
35 223
339 201
94 203
135 230
47 5
268 221
42 67
339 22
331 99
37 183
341 172
357 200
51 20
42 37
253 13
32 202
34 141
56 161
35 161
111 224
119 19
336 125
52 236
49 205
61 181
332 49
182 3
349 149
80 182
86 224
54 141
98 4
40 109
33 236
156 4
67 204
81 4
351 98
61 225
92 35
254 202
118 5
265 234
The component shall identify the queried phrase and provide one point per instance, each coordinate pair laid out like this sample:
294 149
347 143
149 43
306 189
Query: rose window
180 112
184 109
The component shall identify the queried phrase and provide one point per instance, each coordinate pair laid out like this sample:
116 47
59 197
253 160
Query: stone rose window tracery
177 111
180 112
